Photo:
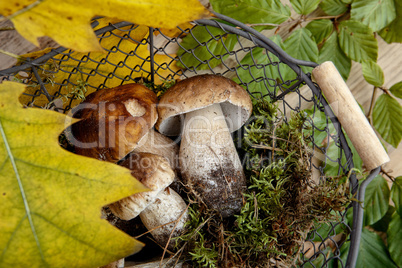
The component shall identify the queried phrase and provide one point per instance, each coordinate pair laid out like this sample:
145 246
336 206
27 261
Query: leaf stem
17 175
27 8
10 54
371 106
386 173
7 28
386 91
324 17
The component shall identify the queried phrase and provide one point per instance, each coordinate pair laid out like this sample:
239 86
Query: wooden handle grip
350 115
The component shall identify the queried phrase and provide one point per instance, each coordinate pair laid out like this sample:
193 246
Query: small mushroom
205 109
119 120
151 170
166 217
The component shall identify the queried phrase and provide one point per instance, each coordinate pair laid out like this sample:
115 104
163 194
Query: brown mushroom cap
113 121
198 92
151 170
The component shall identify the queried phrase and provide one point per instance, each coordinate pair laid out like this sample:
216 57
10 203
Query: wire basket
246 56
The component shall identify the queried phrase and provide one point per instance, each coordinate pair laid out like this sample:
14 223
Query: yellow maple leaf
50 198
67 21
97 69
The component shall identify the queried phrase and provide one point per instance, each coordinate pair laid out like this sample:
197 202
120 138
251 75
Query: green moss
281 204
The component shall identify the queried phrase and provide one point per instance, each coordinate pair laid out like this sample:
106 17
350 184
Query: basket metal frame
256 37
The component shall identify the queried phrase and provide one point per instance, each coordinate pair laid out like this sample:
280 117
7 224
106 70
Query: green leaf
253 11
375 14
321 125
372 252
387 119
376 200
213 50
320 29
260 71
392 32
51 199
373 73
396 90
333 7
304 7
394 239
396 194
331 51
382 225
357 41
301 45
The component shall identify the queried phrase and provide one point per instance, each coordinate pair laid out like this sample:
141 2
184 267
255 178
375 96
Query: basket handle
350 115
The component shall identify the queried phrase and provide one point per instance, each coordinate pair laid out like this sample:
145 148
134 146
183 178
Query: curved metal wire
259 40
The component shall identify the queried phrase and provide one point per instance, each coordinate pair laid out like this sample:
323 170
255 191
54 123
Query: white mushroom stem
166 217
155 143
209 161
151 170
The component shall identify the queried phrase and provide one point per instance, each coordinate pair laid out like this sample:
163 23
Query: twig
260 146
11 54
171 234
7 28
25 9
386 173
324 17
311 248
371 106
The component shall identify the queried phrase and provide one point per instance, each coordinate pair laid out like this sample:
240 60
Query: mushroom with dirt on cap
205 109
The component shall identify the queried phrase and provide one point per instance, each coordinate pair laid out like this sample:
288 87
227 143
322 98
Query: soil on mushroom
281 205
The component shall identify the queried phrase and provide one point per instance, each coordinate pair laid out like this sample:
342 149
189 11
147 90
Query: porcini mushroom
205 109
119 120
151 170
166 217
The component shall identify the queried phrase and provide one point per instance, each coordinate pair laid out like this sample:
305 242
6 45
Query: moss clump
281 205
159 89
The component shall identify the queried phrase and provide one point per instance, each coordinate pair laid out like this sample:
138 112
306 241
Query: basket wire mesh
278 77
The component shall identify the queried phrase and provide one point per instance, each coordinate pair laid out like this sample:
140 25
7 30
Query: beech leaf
387 119
51 199
333 7
396 194
331 51
376 200
67 21
372 251
77 71
320 29
209 47
373 73
260 69
396 90
253 11
375 14
301 45
392 32
357 41
394 238
304 7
